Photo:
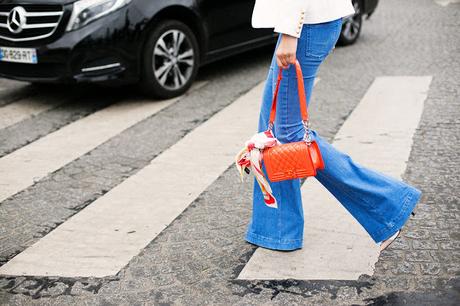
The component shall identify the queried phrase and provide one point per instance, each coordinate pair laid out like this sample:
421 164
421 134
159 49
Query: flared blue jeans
380 203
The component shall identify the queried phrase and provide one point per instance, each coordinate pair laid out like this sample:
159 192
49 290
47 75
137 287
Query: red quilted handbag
295 159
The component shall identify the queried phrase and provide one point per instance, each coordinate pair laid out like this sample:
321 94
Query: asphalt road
199 252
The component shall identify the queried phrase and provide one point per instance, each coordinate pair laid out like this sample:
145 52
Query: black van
157 43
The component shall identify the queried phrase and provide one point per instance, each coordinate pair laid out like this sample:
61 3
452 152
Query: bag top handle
301 92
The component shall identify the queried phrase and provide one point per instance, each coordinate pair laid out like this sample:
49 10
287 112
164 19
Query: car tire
170 60
351 26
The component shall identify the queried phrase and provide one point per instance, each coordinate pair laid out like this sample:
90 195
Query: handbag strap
302 100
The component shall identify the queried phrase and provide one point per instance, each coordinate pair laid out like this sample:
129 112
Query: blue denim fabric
380 203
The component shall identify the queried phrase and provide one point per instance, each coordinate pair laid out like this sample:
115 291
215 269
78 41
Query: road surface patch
103 237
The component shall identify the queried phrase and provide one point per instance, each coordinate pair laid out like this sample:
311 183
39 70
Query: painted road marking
102 238
23 109
378 134
446 2
23 167
129 209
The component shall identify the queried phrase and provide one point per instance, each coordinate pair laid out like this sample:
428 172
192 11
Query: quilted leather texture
292 160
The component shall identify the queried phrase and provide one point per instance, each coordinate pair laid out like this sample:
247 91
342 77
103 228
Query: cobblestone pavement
196 259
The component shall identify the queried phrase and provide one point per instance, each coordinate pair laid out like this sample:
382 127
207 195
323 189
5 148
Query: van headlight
86 11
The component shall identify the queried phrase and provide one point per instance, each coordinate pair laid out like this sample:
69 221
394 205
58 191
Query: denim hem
410 201
275 244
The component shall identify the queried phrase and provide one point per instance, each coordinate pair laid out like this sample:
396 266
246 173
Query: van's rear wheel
170 61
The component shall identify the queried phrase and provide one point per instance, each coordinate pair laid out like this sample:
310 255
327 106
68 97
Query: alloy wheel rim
173 59
352 24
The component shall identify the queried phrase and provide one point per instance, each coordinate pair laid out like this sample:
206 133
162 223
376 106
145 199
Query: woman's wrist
286 51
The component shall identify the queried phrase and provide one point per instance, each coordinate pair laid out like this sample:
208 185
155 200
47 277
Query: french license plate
18 55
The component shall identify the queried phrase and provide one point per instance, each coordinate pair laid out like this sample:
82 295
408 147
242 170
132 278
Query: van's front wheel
170 61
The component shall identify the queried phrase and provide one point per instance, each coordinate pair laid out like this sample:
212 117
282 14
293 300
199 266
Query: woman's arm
289 24
286 17
290 16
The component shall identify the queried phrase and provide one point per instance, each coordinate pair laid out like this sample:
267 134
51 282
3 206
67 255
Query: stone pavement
196 259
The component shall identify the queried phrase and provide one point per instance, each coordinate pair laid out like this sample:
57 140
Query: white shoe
385 243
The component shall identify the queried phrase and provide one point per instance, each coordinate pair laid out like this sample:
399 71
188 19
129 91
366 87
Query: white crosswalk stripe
446 2
102 238
378 134
25 166
23 109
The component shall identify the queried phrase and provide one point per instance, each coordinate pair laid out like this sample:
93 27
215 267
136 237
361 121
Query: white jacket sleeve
290 17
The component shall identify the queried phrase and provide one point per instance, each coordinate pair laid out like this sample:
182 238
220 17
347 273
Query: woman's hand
286 51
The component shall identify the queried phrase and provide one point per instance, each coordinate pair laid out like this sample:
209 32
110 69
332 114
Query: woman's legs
280 228
380 203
